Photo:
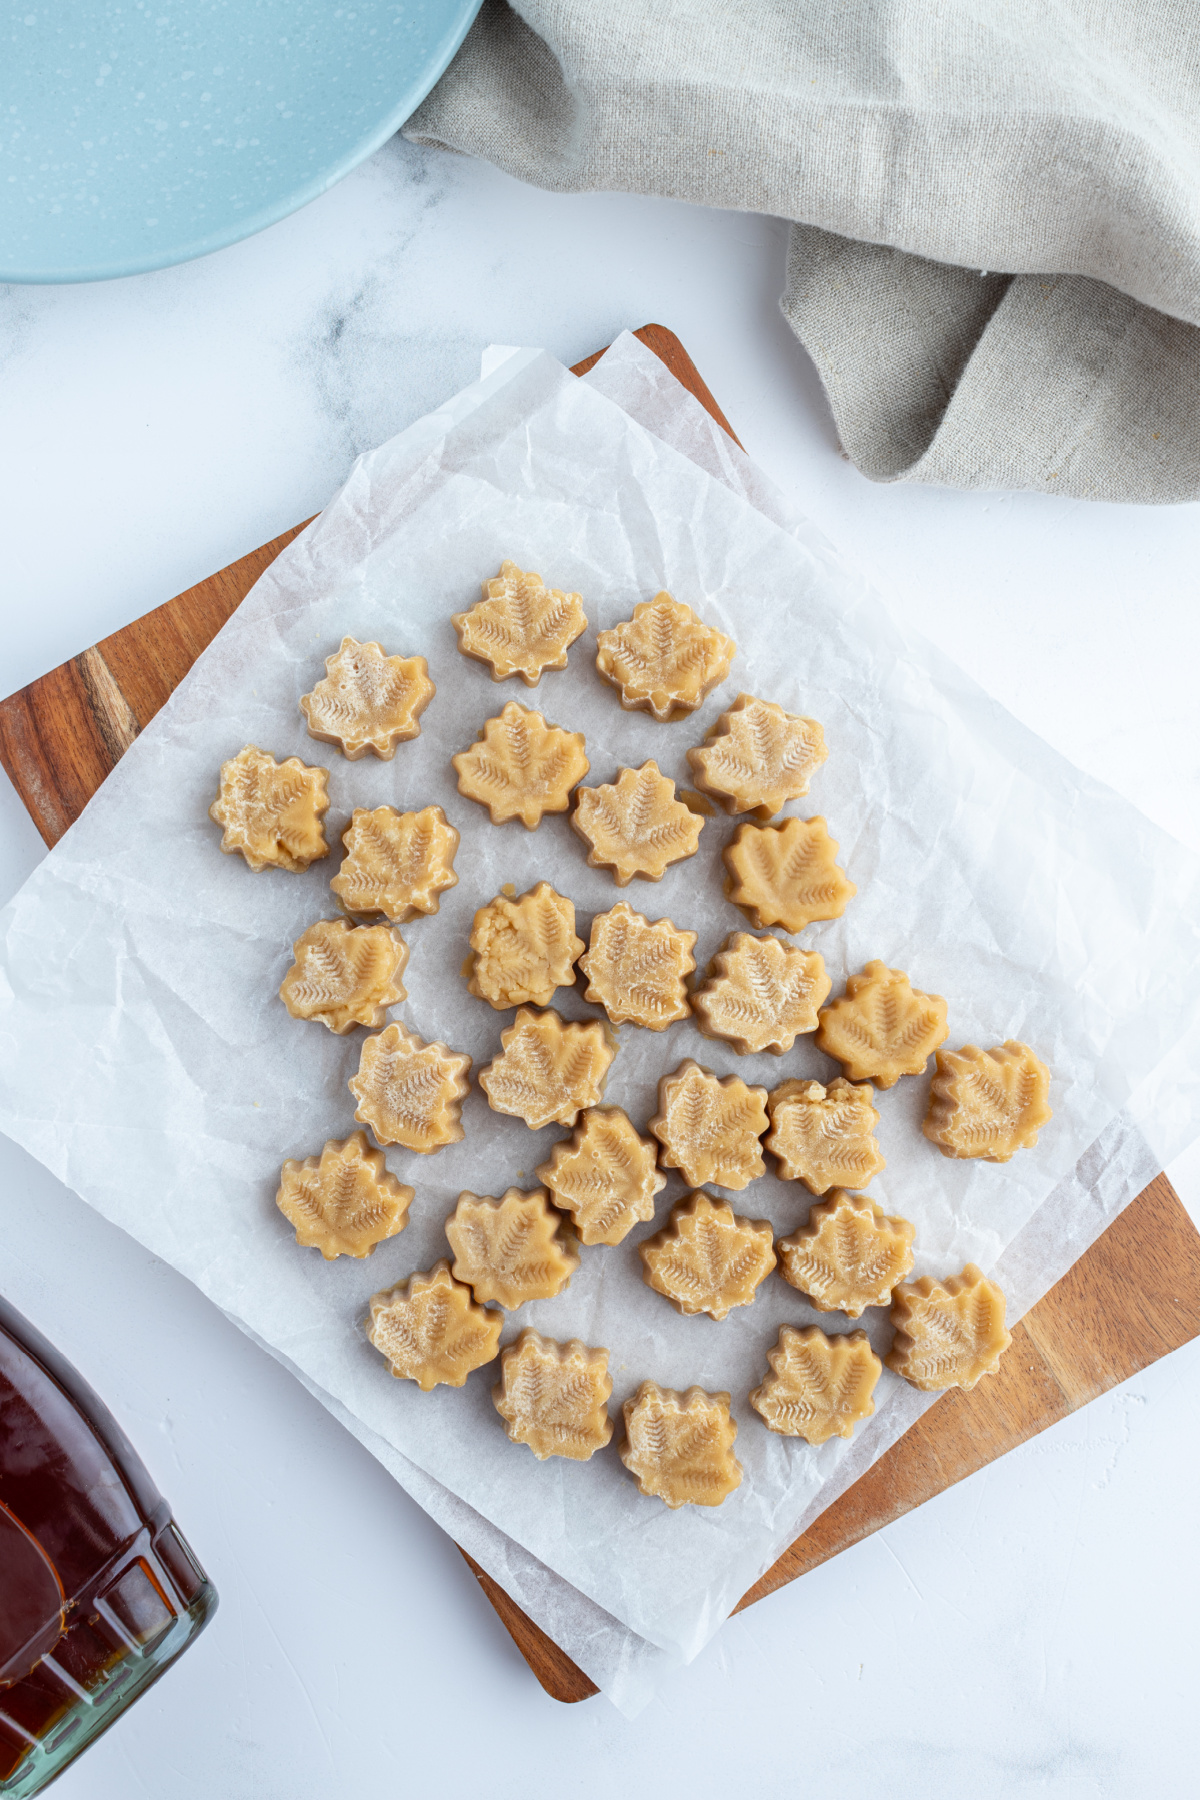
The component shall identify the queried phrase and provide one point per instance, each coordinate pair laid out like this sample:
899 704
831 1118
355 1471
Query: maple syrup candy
345 975
520 627
707 1258
410 1092
848 1255
635 825
523 949
760 994
547 1071
757 757
786 874
819 1386
271 811
635 970
396 864
948 1333
521 768
344 1201
554 1397
509 1250
882 1027
987 1103
709 1129
368 701
664 660
605 1176
431 1331
679 1447
824 1136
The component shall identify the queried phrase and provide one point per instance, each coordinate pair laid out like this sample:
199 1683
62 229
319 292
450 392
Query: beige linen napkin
995 256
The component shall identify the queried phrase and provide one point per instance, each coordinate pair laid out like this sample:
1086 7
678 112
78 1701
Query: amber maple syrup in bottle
99 1592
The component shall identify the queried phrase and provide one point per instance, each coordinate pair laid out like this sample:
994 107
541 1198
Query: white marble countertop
1030 1631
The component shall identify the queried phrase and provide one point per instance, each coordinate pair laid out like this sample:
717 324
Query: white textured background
1029 1633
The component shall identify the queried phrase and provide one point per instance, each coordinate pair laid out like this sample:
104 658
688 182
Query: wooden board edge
562 1679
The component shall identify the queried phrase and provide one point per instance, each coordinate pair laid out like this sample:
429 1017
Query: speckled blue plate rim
430 74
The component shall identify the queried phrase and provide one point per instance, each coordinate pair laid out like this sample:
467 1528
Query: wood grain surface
1132 1298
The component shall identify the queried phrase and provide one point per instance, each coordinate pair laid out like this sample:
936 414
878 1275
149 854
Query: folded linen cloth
995 254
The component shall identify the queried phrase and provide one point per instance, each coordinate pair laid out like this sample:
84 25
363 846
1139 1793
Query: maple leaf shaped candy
663 661
554 1397
345 975
519 767
509 1250
410 1092
786 874
760 994
882 1027
604 1175
757 757
548 1071
710 1129
848 1255
431 1331
680 1446
523 949
707 1258
635 825
948 1333
824 1136
819 1387
520 627
987 1103
368 701
635 970
345 1201
396 864
271 811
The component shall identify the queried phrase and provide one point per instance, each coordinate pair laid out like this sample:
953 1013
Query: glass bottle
99 1593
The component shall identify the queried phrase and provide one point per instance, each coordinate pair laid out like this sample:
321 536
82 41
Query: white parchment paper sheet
145 1057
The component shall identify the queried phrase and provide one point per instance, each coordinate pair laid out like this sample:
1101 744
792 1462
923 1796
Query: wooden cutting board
1132 1298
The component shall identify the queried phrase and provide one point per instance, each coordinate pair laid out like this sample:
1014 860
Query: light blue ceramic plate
137 133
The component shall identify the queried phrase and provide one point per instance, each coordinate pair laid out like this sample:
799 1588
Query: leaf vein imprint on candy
760 994
819 1386
786 874
707 1258
664 660
520 627
345 975
679 1446
635 826
949 1333
554 1397
548 1071
604 1175
824 1136
410 1092
520 767
431 1331
710 1129
345 1201
882 1027
509 1250
396 864
757 757
848 1255
368 701
987 1103
635 970
271 812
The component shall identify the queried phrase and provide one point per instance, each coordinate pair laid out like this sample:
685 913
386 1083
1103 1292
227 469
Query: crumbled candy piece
520 627
635 970
680 1446
344 1201
760 994
271 811
431 1331
520 768
948 1333
882 1027
707 1258
819 1387
523 949
664 660
604 1175
554 1397
848 1255
345 975
757 757
786 874
509 1250
396 864
368 701
987 1103
635 825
